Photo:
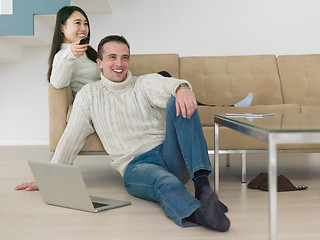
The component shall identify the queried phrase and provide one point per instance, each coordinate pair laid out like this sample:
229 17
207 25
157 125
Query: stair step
11 45
21 22
95 6
43 30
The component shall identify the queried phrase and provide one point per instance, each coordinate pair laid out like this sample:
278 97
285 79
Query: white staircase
11 47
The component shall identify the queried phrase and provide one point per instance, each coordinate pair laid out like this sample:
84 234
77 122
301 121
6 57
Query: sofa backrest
151 63
224 80
300 78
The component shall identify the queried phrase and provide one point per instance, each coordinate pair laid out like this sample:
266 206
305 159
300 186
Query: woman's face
75 28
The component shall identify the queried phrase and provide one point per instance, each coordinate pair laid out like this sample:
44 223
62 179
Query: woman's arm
62 68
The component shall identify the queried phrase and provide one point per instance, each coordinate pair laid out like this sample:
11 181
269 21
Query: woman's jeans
158 175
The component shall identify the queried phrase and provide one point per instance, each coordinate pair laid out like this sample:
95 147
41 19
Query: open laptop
63 185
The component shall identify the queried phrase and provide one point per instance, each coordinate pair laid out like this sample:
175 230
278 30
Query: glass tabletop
278 122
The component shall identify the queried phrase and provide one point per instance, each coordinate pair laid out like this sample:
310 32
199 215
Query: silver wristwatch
184 85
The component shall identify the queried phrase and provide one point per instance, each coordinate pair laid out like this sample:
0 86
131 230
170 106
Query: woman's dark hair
62 16
111 38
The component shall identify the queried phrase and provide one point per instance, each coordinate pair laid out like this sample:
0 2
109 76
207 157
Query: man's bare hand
186 103
29 186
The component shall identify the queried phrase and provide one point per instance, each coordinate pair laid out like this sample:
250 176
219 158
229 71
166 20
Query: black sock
200 180
210 214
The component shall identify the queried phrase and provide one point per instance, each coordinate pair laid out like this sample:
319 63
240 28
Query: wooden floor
24 215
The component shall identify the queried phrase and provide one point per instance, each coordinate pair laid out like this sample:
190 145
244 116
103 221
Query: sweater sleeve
158 89
62 68
78 129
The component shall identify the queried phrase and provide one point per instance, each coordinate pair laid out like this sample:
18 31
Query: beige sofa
283 84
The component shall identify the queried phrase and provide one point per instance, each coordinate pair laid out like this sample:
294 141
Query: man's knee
171 104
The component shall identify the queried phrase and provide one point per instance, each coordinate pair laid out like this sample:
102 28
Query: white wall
23 99
215 27
186 27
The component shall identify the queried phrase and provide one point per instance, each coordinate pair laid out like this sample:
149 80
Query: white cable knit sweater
69 70
128 116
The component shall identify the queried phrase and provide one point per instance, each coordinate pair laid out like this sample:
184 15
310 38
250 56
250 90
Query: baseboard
24 142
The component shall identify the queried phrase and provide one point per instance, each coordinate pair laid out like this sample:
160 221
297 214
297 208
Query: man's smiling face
115 61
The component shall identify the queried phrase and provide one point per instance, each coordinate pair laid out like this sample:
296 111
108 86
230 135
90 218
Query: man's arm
158 89
79 127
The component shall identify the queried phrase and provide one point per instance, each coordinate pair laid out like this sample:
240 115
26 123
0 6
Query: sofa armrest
59 101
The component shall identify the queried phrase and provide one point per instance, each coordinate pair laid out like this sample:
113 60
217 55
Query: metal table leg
272 187
216 158
244 166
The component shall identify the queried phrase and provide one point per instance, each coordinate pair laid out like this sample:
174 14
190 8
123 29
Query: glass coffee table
276 129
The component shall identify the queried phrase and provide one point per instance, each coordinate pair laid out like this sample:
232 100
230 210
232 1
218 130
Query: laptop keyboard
97 205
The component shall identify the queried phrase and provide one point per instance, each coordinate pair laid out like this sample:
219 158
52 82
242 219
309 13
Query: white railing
6 6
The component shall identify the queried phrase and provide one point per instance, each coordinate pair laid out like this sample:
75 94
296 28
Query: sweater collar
65 45
110 85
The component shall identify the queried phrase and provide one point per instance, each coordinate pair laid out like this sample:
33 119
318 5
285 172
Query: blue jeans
159 174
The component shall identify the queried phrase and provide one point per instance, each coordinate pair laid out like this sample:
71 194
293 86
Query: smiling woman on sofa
72 63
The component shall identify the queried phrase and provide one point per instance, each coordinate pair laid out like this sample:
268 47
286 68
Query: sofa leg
228 160
244 167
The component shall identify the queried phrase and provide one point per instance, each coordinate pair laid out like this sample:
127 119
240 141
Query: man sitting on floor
150 127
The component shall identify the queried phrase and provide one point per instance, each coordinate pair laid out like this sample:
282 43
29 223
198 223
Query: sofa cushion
151 63
93 143
227 80
310 109
300 76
